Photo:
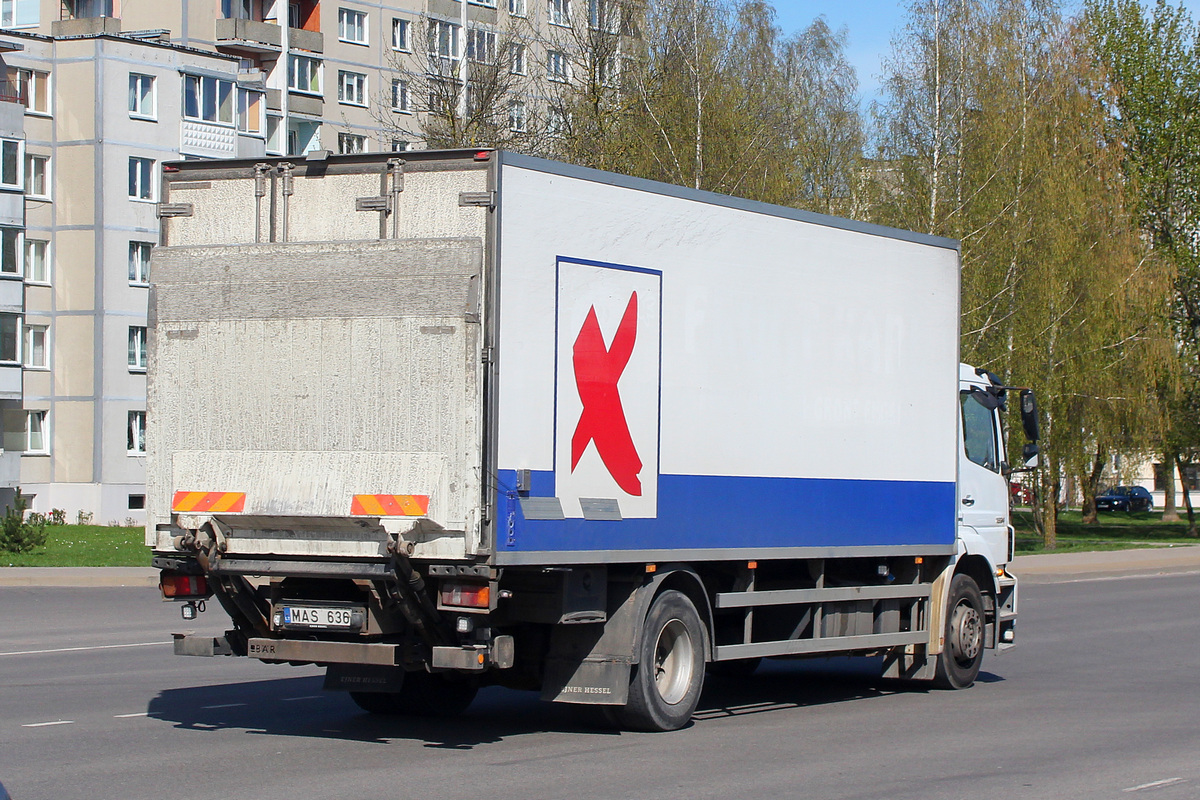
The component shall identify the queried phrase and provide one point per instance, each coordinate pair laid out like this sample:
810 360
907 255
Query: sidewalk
1053 568
79 576
1062 567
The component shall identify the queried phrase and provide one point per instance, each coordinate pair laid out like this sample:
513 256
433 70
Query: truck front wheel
962 654
665 686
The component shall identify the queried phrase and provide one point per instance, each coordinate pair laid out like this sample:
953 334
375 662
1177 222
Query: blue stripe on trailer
702 511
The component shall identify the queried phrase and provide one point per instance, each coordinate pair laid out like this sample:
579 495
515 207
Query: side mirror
1029 415
1030 455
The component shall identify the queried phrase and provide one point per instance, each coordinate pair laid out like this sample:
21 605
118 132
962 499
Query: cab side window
979 432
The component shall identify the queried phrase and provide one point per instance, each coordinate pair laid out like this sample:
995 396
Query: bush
17 534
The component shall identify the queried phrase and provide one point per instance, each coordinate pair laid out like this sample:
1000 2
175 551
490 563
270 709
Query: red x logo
597 370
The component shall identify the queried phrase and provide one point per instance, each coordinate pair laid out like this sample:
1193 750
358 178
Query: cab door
983 497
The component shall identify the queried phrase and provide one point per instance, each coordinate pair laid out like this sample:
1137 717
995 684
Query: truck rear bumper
474 658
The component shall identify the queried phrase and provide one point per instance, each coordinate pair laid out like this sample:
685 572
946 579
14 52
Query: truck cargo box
495 355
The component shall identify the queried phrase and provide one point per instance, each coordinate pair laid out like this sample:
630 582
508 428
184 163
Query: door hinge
480 199
381 202
174 210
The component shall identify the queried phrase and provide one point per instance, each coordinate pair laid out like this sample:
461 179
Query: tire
422 695
958 663
664 688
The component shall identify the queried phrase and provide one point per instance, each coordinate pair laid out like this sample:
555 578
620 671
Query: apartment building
100 93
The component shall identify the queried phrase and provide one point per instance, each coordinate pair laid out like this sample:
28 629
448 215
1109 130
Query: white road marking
1156 784
306 697
127 716
223 705
48 724
79 649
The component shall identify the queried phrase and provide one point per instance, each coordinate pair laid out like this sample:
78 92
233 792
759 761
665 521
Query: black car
1125 498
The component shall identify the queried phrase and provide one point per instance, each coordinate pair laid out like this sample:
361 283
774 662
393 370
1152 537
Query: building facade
99 94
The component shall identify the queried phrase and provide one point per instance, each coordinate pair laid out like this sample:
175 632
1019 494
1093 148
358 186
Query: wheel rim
966 633
673 661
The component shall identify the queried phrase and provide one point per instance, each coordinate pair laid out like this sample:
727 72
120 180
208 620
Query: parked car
1125 498
1022 495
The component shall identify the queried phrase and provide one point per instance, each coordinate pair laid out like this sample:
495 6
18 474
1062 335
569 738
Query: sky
871 25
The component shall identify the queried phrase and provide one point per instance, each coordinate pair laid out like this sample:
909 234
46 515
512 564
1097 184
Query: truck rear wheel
958 663
664 688
421 695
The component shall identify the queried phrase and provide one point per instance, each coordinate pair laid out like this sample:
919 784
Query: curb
1061 567
108 577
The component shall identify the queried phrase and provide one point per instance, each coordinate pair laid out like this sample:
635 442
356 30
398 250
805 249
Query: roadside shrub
20 535
58 516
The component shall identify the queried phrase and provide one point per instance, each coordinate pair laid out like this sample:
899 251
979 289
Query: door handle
968 501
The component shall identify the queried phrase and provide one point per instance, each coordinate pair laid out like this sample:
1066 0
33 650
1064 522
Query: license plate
316 617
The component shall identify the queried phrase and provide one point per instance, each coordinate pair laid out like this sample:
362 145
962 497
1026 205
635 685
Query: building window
37 436
557 68
400 35
400 95
349 143
556 122
443 40
208 99
250 108
237 9
608 70
517 60
481 46
141 96
352 88
139 263
136 433
516 116
19 13
10 338
87 9
10 251
137 502
141 176
603 16
399 145
352 26
11 151
33 88
137 348
516 8
37 176
274 134
304 74
560 12
35 346
37 266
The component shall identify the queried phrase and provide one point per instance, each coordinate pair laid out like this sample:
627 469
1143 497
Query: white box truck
439 420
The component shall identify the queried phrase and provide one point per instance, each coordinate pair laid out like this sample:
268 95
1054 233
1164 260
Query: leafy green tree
1152 83
993 134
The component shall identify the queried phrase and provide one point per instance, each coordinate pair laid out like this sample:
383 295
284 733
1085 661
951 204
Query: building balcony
11 382
85 26
305 104
247 36
312 41
250 36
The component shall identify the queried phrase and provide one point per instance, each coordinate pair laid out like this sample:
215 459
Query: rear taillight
177 586
465 595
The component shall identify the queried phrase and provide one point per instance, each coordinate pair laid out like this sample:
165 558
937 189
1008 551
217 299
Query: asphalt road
1100 700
